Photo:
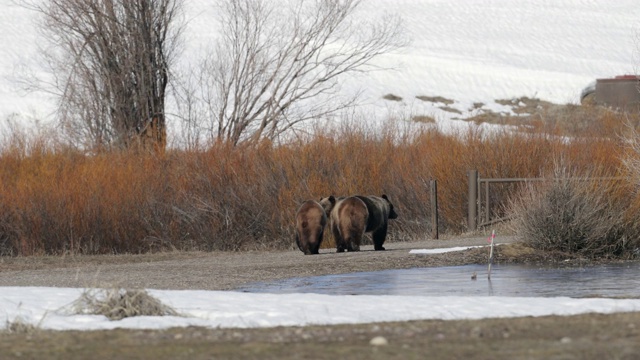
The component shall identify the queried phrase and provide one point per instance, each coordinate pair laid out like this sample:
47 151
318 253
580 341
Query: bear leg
378 238
298 241
351 241
337 237
315 247
301 246
353 247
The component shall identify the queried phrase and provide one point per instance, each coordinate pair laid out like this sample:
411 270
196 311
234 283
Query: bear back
380 211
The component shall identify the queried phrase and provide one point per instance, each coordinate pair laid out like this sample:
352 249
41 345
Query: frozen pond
615 280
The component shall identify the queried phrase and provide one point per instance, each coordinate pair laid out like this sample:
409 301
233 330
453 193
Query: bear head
328 204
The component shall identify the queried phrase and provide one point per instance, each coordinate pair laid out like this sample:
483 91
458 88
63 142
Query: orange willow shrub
54 203
55 200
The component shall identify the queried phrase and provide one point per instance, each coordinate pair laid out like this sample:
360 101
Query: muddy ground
588 336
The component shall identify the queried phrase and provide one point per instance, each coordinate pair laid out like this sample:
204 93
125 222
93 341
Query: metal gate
480 205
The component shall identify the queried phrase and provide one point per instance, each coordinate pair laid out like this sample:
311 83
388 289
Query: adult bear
310 222
380 211
348 218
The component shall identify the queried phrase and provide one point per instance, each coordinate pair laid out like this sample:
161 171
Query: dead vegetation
435 99
56 200
538 116
425 119
450 109
19 326
592 218
117 304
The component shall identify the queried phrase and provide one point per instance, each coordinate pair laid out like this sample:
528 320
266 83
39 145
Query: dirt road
223 270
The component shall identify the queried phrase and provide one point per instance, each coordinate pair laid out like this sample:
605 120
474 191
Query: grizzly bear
348 219
380 212
310 222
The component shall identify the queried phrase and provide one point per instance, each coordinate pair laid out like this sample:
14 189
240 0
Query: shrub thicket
55 199
585 215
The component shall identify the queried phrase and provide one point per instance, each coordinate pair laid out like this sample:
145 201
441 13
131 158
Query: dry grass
577 214
19 326
56 200
425 119
435 99
526 105
117 304
450 109
538 116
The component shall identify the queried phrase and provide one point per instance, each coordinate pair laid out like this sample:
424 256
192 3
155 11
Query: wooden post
493 236
487 205
434 209
472 219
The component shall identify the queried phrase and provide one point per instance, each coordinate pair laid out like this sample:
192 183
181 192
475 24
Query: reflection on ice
614 280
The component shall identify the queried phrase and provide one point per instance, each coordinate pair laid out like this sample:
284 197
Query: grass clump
585 216
20 326
117 304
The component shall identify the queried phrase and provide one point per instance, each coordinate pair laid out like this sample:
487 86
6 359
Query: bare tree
111 62
278 64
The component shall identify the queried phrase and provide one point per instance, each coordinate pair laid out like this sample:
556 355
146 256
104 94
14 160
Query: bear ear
332 199
384 196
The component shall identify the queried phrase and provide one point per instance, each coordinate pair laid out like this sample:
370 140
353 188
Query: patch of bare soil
590 336
435 99
532 113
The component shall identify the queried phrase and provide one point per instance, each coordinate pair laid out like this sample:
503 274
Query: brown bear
380 212
379 209
310 222
348 219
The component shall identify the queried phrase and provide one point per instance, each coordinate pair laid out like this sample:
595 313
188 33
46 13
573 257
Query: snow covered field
48 309
468 51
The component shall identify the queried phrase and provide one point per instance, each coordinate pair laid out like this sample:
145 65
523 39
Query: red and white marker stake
490 240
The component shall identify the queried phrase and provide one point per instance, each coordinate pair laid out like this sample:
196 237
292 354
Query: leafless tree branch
275 68
111 61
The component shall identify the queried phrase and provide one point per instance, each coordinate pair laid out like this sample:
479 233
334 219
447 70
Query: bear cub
310 222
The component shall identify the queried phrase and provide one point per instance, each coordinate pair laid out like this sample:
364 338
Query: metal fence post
434 209
472 220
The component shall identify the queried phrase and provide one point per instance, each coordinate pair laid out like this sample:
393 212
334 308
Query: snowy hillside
465 50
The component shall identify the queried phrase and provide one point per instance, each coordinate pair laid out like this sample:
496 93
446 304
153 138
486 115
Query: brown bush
55 199
583 214
117 304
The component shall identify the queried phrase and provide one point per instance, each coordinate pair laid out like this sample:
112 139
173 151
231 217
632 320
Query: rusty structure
620 92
